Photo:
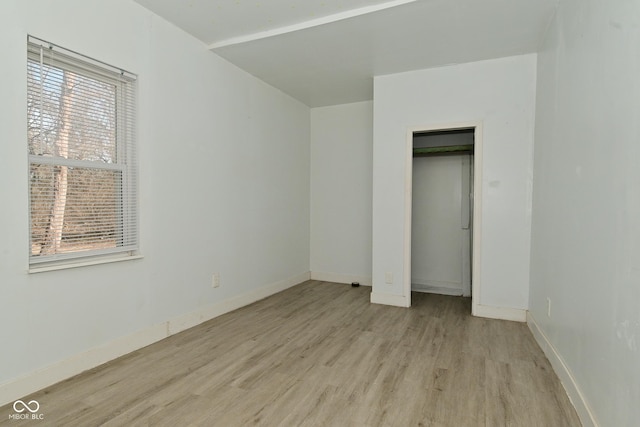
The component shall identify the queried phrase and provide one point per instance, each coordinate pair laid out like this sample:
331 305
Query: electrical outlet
215 280
548 307
388 278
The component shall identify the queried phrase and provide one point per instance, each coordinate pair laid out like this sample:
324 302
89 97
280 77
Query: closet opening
442 222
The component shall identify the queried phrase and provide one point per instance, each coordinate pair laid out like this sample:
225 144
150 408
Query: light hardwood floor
320 354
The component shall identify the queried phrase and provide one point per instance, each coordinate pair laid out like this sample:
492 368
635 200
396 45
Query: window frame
125 163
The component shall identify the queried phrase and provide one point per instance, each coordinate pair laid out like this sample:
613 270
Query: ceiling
326 52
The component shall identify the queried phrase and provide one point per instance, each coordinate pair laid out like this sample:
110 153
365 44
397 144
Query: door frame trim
476 284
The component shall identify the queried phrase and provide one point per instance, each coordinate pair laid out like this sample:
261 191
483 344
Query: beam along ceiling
326 52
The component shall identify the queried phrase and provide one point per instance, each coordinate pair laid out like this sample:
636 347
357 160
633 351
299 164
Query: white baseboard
209 312
340 278
564 373
388 299
67 368
59 371
513 314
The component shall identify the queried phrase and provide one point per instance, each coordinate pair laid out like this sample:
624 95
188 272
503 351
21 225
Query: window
82 159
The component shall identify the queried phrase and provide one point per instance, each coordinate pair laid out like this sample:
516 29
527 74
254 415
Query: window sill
81 263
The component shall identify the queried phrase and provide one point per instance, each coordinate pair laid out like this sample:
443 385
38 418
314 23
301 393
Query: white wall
499 93
224 187
585 233
436 224
341 162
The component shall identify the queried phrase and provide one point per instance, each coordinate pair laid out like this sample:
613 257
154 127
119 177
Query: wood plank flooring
320 354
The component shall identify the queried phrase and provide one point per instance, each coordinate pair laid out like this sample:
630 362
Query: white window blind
82 158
